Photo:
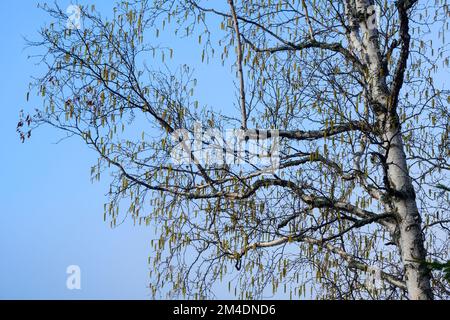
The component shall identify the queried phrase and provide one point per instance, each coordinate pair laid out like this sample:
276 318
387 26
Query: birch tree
355 92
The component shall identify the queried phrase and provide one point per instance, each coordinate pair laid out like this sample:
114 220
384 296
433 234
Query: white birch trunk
364 40
410 242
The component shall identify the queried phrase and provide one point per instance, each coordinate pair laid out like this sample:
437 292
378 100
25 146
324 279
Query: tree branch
239 65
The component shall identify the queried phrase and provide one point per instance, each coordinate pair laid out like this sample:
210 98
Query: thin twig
239 64
308 22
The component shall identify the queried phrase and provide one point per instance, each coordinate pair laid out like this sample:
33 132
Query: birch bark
410 242
402 197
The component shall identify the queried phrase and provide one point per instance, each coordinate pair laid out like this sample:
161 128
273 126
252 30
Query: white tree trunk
410 242
364 41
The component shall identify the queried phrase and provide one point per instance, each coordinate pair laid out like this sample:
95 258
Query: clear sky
50 212
51 215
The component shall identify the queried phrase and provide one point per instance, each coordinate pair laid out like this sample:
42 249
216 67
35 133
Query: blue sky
51 215
50 212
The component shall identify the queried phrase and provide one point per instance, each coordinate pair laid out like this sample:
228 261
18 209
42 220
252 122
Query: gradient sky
50 212
51 215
